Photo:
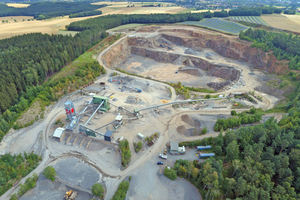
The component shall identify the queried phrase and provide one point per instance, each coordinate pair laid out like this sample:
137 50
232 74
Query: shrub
204 131
170 173
233 113
97 190
49 173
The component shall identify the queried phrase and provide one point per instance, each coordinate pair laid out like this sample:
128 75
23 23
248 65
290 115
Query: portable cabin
203 155
203 147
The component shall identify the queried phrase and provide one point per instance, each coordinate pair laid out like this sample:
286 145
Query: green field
218 25
125 27
251 19
62 32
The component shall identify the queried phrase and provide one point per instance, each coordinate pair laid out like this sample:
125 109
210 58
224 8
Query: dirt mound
194 72
192 132
165 101
218 86
187 119
131 99
181 129
148 29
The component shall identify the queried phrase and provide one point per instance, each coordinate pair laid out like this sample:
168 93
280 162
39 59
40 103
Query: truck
163 156
70 195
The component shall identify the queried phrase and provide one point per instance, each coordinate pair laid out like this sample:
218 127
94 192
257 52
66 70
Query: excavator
70 195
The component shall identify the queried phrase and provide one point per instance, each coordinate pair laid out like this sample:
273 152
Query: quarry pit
196 58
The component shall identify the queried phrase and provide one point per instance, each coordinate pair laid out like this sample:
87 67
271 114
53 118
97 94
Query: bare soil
32 113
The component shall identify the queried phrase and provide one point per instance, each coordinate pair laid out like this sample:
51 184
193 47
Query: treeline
45 10
111 21
290 12
284 46
246 117
256 11
87 13
248 11
13 168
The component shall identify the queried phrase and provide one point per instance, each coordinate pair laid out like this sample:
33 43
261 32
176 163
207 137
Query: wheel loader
70 195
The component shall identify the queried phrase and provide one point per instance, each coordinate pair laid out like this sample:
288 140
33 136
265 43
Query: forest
46 10
13 168
111 21
284 46
255 162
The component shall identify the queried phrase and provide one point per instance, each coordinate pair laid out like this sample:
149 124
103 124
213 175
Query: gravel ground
47 190
157 186
75 171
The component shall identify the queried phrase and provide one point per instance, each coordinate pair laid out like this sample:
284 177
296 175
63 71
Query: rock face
225 72
227 47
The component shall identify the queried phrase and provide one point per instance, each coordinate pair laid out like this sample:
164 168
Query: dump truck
70 195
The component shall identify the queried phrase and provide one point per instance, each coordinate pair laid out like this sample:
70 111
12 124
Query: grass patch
129 26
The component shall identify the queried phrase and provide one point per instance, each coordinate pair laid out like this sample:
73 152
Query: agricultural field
56 25
121 8
282 22
252 19
18 5
199 11
220 25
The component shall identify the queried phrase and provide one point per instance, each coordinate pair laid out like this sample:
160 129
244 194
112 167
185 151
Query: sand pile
181 129
187 119
165 101
95 146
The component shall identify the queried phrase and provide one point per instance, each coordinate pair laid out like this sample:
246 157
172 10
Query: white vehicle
163 156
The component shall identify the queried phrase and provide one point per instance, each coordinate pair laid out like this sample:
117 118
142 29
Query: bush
126 154
233 113
49 173
204 131
97 190
14 197
208 96
121 191
138 146
170 173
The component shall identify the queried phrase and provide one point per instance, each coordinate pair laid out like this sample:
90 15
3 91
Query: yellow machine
70 195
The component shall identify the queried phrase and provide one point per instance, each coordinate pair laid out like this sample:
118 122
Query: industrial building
175 149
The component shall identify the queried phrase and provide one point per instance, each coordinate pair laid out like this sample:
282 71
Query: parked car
163 156
160 163
165 152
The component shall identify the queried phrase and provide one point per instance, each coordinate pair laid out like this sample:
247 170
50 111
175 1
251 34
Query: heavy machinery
70 195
